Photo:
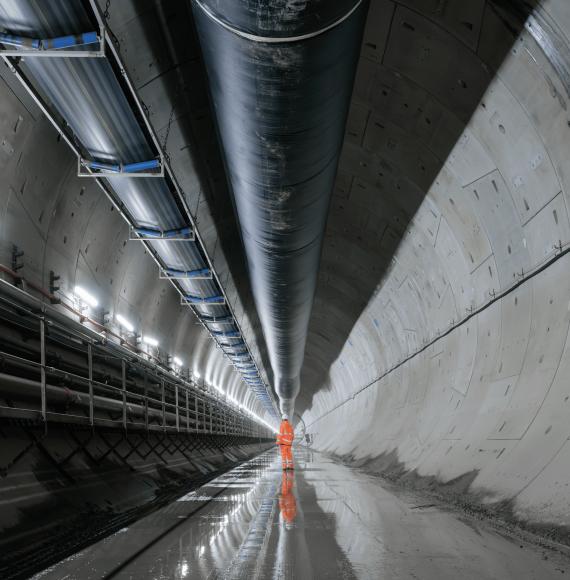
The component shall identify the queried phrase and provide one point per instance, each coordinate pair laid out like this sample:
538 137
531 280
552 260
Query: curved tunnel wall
66 224
453 188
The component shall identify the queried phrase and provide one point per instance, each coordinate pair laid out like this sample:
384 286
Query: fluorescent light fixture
86 297
124 323
150 340
178 362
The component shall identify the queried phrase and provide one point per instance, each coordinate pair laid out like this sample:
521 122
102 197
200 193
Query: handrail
209 413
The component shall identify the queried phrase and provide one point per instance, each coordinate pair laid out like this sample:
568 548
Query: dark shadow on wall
388 165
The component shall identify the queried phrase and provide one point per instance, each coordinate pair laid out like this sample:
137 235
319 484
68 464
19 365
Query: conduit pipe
281 76
30 389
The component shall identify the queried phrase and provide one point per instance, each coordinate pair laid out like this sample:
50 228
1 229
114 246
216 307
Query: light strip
124 323
150 341
86 297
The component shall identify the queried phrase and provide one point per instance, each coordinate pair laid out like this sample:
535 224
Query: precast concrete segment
281 77
452 189
344 524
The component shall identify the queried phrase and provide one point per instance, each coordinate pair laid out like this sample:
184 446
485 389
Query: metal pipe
28 389
56 394
281 76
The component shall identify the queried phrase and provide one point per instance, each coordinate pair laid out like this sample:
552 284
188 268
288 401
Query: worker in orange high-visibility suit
285 442
287 502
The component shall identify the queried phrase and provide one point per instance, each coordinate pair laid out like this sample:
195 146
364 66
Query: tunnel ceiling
438 105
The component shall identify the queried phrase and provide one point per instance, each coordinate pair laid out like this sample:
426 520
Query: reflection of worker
287 503
285 441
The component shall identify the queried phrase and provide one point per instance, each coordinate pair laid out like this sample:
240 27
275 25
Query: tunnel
284 289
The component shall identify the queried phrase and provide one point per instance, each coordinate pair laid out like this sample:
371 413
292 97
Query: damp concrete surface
324 520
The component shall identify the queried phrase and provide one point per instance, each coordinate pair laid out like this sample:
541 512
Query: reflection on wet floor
323 520
287 501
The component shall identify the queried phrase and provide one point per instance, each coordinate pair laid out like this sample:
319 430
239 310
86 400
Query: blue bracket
177 235
230 345
70 41
227 334
149 168
215 300
229 353
239 355
60 46
174 274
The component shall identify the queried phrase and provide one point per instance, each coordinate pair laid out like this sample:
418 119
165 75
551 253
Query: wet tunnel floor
323 521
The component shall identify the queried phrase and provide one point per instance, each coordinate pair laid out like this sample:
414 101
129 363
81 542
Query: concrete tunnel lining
490 396
441 315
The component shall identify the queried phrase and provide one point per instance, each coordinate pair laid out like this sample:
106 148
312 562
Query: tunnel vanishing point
354 213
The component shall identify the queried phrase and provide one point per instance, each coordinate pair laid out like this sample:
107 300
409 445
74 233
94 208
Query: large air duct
281 74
